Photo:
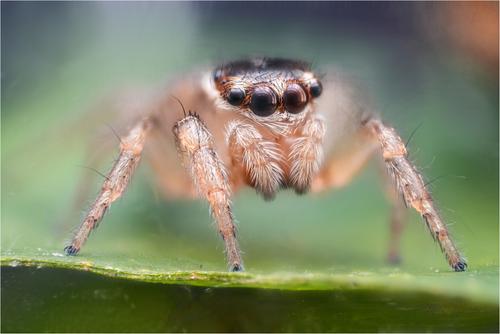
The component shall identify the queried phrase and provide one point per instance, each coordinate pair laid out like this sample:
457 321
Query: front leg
259 157
306 155
195 144
411 185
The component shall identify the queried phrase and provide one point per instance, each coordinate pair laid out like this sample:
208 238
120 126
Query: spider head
268 89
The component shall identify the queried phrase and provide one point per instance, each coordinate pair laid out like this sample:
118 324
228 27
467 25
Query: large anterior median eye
295 98
263 102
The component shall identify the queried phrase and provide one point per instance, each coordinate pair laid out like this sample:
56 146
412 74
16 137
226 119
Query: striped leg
410 184
115 184
210 178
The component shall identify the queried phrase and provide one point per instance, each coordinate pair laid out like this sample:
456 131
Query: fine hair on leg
115 184
259 157
306 154
410 184
342 167
210 177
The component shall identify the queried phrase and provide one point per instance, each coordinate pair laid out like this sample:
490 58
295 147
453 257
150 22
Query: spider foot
394 259
71 250
460 265
236 267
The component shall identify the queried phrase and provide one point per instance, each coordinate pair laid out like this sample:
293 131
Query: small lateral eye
316 88
263 102
295 98
236 96
217 75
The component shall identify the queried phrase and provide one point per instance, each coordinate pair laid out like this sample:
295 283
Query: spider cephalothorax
268 89
260 123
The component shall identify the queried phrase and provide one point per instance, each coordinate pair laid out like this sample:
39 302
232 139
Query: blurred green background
434 64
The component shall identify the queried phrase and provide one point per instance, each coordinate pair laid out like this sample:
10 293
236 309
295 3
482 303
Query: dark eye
295 98
217 75
263 101
236 96
316 88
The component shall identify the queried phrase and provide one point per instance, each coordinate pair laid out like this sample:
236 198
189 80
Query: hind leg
344 166
96 153
398 217
409 183
406 182
115 184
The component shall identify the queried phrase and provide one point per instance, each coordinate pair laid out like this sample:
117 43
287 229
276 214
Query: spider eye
263 102
236 96
295 98
217 75
316 88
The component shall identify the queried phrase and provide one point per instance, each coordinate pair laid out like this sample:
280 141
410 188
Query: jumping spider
267 123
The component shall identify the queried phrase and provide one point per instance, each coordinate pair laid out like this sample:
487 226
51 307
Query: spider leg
210 177
96 153
346 163
115 184
398 216
343 166
259 157
410 184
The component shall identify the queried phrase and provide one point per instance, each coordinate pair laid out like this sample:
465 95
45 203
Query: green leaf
47 299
